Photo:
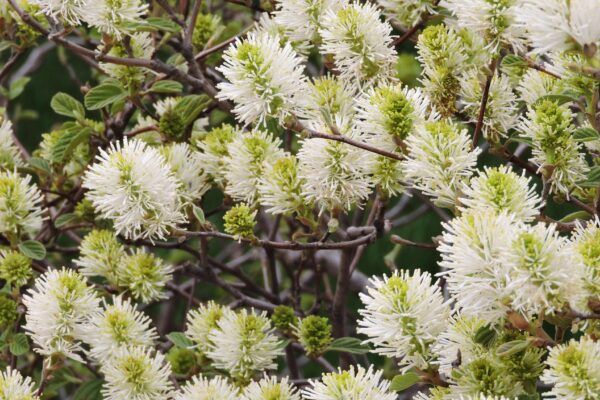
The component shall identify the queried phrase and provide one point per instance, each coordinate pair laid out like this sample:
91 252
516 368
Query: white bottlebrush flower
270 388
585 246
493 20
280 187
329 101
550 128
187 166
473 260
116 325
540 278
574 370
213 151
202 388
100 254
354 383
14 387
244 343
144 275
132 185
439 160
248 156
136 373
407 12
20 205
440 45
335 174
265 78
111 16
71 11
201 321
403 316
500 189
536 84
10 156
360 44
302 19
501 108
57 306
457 343
559 25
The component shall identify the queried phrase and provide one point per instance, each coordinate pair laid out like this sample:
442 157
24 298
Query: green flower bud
183 361
85 210
314 333
8 311
171 124
15 268
239 221
284 319
206 26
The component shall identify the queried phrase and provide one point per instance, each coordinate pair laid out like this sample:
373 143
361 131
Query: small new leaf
33 249
167 86
104 95
586 135
190 107
349 345
64 219
66 105
19 344
402 382
180 340
511 348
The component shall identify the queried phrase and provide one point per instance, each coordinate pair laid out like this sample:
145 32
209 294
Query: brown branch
484 100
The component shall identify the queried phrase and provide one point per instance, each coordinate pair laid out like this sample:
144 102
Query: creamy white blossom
132 185
202 388
144 275
335 174
201 321
117 325
270 388
100 254
494 20
136 373
407 12
403 316
574 370
559 25
265 78
359 42
247 159
280 187
14 387
111 16
500 189
186 164
440 160
473 252
20 205
10 156
71 11
354 383
536 84
244 343
302 19
584 247
57 306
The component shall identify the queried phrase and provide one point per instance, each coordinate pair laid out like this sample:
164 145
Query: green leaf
66 105
521 139
199 214
402 382
33 249
166 86
349 345
513 60
511 348
485 335
575 216
19 344
593 178
90 390
180 340
68 141
64 219
40 164
586 135
163 24
190 107
17 87
104 95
